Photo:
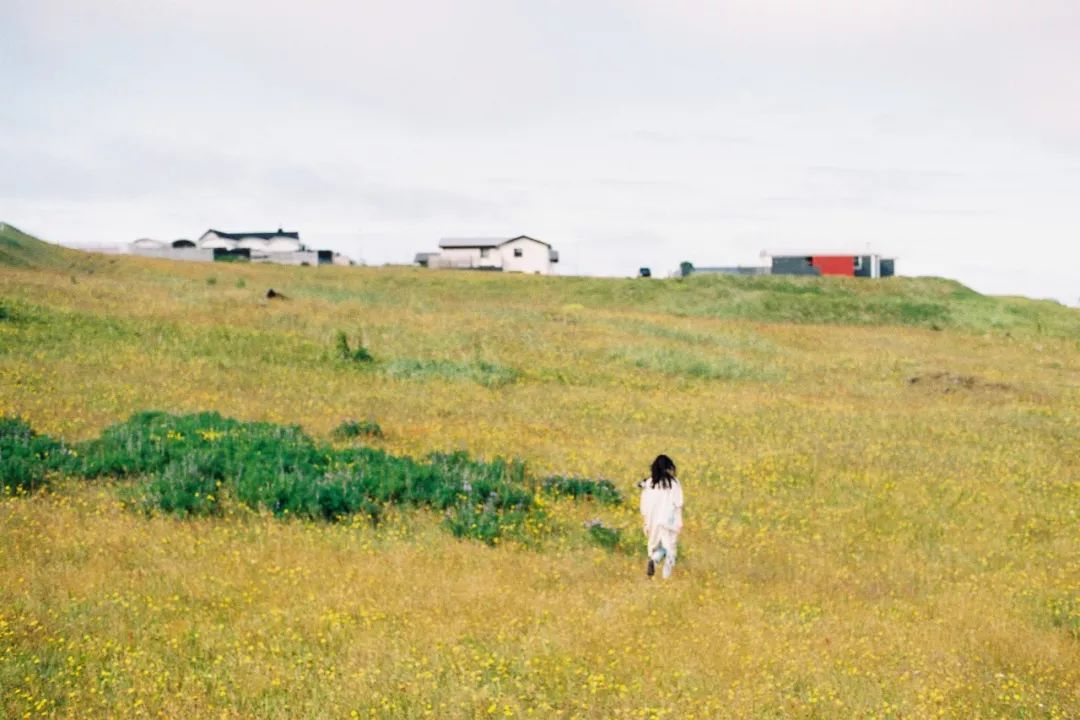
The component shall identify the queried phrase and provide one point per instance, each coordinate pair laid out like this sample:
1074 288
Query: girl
661 508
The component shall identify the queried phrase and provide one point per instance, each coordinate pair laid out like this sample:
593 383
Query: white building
277 247
516 254
176 250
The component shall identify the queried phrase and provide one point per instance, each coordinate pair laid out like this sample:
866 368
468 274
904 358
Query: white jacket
661 509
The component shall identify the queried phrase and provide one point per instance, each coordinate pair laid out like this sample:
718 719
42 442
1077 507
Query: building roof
471 242
526 237
731 268
810 252
260 235
484 242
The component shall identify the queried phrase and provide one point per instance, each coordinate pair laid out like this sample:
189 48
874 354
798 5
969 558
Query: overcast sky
627 133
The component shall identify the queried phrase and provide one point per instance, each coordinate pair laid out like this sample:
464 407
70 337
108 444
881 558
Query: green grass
481 372
695 364
680 335
20 250
920 302
861 545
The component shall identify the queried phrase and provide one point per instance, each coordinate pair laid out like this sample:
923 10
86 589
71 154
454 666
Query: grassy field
883 514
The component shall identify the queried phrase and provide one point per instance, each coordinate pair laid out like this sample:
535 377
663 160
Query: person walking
661 509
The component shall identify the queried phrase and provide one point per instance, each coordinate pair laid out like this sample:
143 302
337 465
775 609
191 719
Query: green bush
150 441
484 521
499 481
17 312
196 465
359 354
25 456
479 522
606 537
603 491
349 429
186 487
190 463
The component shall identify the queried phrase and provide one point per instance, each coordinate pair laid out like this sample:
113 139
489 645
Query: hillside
934 303
20 250
882 508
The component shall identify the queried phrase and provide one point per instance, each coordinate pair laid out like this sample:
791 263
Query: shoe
650 569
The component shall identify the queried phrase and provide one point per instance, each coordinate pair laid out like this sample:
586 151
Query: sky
627 133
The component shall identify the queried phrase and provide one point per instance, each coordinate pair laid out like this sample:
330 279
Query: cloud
438 62
878 185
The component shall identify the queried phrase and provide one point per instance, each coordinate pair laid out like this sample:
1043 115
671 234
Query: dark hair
663 471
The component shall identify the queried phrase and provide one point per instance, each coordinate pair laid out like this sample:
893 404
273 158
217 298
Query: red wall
834 264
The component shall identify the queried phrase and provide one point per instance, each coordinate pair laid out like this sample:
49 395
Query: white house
277 247
176 250
263 242
515 254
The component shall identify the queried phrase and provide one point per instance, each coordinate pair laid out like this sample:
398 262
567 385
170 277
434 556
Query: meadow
883 515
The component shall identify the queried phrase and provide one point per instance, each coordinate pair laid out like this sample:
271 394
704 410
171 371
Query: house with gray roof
279 247
520 253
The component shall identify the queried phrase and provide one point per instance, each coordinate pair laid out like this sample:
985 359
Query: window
518 252
858 262
483 252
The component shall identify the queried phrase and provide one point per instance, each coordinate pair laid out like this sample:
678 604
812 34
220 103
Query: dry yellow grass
857 545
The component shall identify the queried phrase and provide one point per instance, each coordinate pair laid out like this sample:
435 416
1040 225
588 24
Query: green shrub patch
350 429
359 354
603 491
199 464
609 538
190 463
25 456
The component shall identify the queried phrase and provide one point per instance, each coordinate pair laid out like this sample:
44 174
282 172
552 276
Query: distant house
176 250
515 254
870 265
276 247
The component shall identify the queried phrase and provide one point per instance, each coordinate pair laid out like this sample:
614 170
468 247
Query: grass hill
922 302
18 249
880 476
